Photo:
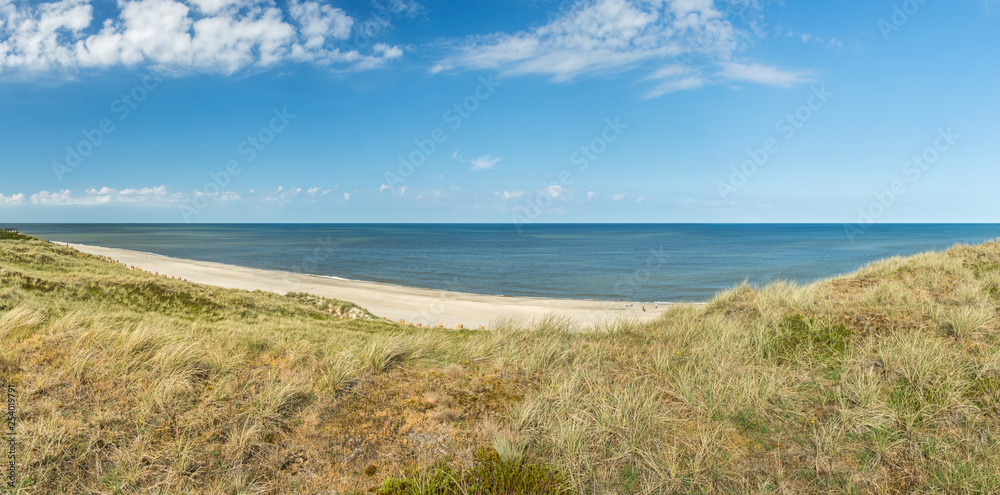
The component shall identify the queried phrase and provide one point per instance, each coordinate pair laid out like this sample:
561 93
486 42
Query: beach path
416 305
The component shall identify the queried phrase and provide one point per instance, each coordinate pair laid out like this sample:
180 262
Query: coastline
395 302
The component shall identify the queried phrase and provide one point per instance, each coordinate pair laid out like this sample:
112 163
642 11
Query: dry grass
883 381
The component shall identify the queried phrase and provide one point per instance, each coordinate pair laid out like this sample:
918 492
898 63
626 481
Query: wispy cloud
485 162
151 196
400 191
511 195
280 195
762 74
600 36
832 42
709 204
673 78
681 84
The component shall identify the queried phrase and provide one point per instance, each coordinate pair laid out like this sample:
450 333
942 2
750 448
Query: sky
521 111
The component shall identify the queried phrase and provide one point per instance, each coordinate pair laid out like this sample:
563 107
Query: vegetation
883 381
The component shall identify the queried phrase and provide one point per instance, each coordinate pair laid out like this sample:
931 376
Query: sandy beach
417 305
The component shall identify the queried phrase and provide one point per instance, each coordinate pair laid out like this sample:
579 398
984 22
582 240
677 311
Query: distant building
12 230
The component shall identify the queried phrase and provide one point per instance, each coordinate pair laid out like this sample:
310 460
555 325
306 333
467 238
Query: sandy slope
425 306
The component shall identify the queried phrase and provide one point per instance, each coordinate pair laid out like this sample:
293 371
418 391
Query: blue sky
567 111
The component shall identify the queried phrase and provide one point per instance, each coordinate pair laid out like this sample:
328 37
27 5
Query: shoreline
395 302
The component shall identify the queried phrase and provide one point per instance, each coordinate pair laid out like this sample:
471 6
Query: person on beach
643 309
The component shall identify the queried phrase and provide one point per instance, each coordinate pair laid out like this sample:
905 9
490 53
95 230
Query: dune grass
883 381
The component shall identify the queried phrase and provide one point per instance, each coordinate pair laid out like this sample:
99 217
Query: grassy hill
884 381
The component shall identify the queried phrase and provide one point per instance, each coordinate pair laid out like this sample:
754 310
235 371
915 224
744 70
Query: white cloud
148 196
212 7
103 190
556 191
640 199
313 191
320 22
619 197
668 72
405 7
160 196
762 74
681 84
811 38
591 195
601 35
223 36
485 162
279 195
401 190
137 193
509 195
13 200
674 77
52 198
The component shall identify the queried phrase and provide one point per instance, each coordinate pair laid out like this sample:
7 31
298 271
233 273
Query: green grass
799 337
12 236
886 380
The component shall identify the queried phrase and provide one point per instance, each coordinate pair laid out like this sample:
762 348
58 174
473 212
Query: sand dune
424 306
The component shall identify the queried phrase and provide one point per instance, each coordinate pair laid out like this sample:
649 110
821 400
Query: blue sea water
663 262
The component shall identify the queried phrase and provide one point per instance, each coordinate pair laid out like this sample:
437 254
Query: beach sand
416 305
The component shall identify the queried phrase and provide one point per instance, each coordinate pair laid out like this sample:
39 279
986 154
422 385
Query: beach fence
421 325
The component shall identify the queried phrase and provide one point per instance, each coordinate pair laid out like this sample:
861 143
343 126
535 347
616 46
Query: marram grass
883 381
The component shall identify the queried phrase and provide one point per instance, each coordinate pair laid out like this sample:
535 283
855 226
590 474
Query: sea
619 262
